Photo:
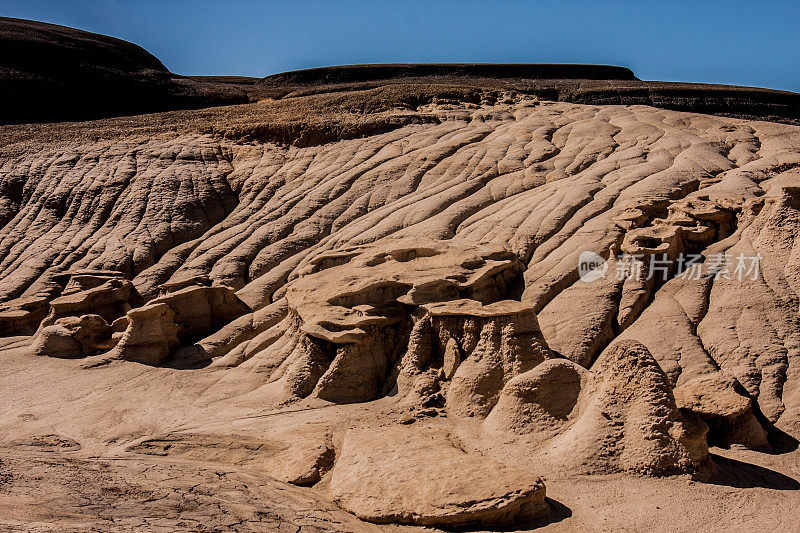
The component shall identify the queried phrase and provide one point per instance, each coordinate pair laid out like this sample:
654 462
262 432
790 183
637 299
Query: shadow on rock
188 358
558 513
781 441
732 473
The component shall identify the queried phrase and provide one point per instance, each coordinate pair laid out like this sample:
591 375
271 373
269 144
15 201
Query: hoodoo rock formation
366 298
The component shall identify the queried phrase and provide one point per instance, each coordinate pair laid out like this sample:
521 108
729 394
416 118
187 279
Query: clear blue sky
735 42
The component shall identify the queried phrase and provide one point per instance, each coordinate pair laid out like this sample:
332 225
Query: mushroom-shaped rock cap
341 292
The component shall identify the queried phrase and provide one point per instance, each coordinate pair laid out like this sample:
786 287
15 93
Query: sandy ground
64 465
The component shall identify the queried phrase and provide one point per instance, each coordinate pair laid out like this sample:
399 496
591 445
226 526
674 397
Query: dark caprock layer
393 71
583 84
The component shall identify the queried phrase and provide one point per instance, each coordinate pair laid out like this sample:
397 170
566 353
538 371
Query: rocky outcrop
177 317
60 73
621 416
150 335
57 341
361 73
725 406
81 321
185 311
74 336
542 401
305 467
582 84
352 313
633 423
22 316
299 457
469 351
110 300
200 309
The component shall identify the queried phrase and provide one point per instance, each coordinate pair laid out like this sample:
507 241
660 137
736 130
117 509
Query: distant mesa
580 84
51 73
395 71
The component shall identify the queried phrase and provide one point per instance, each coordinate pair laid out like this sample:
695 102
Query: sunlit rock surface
391 317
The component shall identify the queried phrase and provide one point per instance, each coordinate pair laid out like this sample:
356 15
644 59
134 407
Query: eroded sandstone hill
50 72
377 290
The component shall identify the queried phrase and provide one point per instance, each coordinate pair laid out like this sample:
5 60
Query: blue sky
735 42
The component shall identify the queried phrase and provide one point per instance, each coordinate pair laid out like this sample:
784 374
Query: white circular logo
591 266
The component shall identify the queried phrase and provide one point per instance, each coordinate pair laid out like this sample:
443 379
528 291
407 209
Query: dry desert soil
355 300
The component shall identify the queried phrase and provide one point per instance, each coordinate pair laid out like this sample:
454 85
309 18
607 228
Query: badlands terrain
356 303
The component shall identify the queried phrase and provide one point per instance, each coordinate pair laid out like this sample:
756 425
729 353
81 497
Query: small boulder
304 463
91 331
56 341
723 403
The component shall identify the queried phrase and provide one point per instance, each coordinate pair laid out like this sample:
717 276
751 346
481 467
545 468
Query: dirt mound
619 417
